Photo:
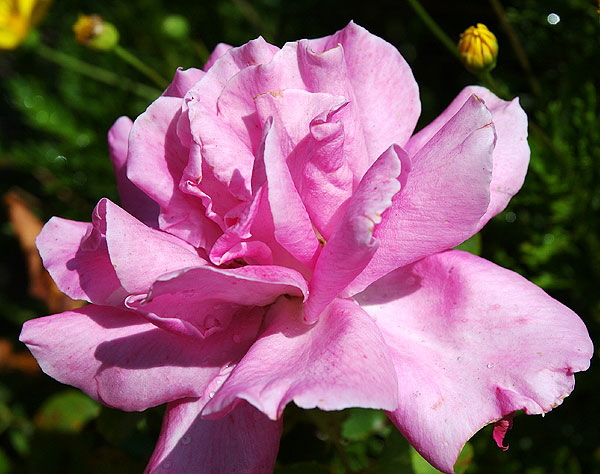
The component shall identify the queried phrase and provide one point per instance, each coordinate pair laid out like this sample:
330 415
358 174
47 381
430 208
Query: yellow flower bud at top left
17 17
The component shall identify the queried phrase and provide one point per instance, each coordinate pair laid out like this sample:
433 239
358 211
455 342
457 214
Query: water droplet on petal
166 465
186 439
211 394
490 366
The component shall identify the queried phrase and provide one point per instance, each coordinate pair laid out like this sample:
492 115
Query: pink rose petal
120 359
468 352
315 366
244 441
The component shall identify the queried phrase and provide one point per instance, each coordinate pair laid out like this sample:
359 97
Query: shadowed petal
139 254
120 359
472 343
244 441
77 259
155 163
315 366
199 301
132 198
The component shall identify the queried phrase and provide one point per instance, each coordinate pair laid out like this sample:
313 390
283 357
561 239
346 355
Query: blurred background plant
59 98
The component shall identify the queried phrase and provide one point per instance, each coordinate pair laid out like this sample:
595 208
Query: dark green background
53 145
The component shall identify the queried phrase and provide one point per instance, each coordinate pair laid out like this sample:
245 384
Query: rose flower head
283 236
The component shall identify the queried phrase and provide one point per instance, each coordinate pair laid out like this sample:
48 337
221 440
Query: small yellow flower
478 49
92 31
17 17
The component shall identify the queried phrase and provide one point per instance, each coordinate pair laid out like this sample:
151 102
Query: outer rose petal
446 193
183 81
244 441
132 198
69 256
467 352
511 152
118 358
383 83
220 50
139 254
315 366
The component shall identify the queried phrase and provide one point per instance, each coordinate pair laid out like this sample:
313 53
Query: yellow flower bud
92 31
478 49
17 17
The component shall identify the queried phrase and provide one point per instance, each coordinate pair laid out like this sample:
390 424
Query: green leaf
362 423
472 245
67 411
420 466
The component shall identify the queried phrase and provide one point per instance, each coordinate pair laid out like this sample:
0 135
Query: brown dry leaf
27 226
11 360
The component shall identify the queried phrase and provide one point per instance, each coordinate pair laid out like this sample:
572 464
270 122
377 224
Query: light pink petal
511 151
220 166
328 72
155 164
77 258
446 193
139 254
292 226
199 301
472 343
183 81
230 62
352 245
220 50
383 84
244 441
339 362
118 358
312 138
132 198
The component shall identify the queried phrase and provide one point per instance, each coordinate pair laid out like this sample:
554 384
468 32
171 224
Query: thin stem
490 83
97 73
517 47
141 67
434 27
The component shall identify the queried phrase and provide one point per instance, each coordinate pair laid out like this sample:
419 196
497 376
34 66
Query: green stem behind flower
517 48
434 27
97 73
141 67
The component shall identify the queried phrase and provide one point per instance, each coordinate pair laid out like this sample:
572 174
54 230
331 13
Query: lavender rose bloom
284 236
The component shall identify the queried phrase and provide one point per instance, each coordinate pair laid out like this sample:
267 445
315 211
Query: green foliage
53 145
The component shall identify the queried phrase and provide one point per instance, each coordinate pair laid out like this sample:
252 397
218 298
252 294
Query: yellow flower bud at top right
478 48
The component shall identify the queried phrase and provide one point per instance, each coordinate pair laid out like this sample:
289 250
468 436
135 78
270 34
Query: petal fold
352 244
